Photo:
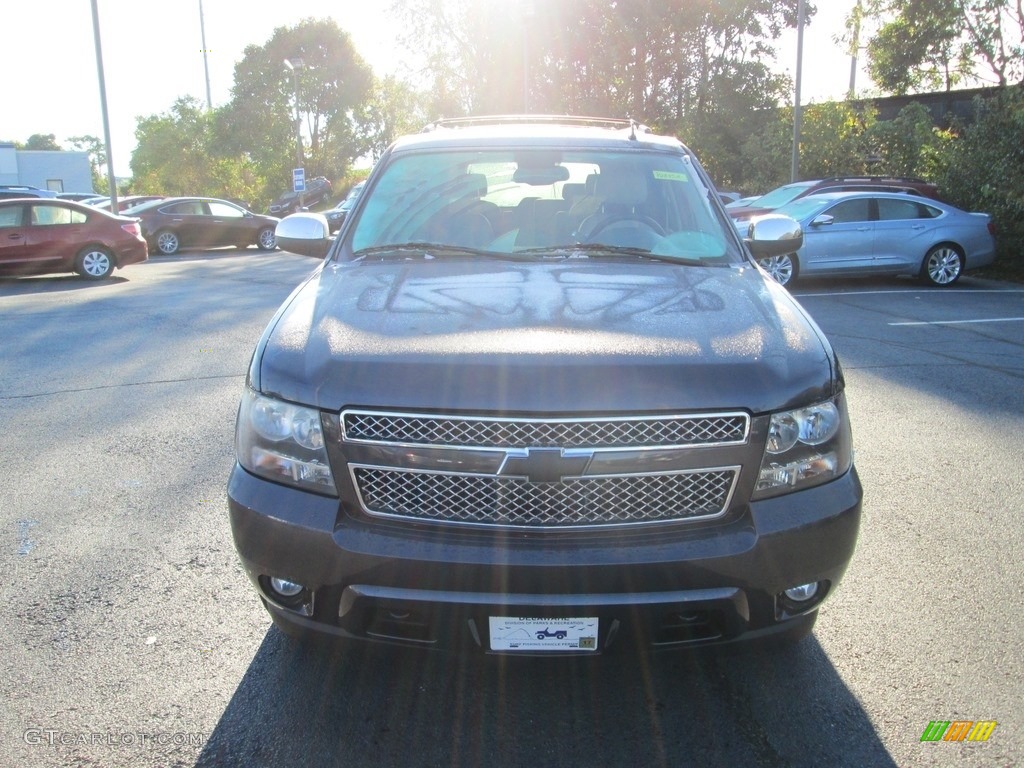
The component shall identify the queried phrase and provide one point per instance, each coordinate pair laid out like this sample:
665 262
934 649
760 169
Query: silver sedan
852 233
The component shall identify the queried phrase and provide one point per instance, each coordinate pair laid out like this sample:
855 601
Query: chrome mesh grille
586 501
645 432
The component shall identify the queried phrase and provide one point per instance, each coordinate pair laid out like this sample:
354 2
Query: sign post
299 184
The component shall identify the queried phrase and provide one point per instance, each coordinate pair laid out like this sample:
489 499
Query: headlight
283 442
805 447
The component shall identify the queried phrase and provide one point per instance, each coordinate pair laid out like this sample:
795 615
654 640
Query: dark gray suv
539 399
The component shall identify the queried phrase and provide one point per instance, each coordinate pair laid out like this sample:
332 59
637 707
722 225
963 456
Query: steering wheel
618 218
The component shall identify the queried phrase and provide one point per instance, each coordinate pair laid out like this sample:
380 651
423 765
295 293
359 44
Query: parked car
318 192
336 215
490 402
790 192
42 235
126 202
202 222
884 233
78 197
9 191
741 202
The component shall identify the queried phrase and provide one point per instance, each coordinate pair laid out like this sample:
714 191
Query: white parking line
964 322
956 292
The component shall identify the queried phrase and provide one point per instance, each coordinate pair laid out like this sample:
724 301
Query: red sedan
43 235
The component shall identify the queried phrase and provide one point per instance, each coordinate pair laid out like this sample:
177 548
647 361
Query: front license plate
524 634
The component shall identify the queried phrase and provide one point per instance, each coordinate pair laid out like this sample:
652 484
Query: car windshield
542 203
780 196
804 207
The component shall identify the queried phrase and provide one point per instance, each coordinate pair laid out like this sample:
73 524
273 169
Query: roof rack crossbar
876 178
596 122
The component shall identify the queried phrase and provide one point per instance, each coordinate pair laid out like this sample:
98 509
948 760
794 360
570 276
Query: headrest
573 192
622 187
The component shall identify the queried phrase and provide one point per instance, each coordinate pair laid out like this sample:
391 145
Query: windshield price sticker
527 634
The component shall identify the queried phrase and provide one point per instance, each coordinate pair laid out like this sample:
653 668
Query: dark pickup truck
539 379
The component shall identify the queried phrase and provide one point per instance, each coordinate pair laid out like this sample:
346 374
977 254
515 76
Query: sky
153 54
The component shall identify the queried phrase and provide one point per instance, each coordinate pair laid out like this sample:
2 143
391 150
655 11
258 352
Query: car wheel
266 240
783 269
167 242
94 263
942 266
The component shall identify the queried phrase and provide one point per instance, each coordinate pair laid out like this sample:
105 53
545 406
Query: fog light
286 588
803 593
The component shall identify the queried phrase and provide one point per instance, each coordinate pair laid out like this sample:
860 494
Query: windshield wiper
590 250
428 251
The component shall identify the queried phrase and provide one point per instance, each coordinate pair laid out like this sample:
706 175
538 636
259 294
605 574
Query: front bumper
429 586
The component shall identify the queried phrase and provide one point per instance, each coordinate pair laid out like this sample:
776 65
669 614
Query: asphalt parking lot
131 636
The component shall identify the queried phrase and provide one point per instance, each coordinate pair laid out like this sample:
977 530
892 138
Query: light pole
295 64
206 63
797 116
111 180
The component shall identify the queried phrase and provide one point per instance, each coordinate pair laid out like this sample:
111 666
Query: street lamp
295 64
797 114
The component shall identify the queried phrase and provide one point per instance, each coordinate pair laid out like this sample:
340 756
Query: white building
59 171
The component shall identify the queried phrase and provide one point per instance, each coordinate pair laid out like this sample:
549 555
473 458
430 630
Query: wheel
942 266
167 242
266 240
94 263
783 269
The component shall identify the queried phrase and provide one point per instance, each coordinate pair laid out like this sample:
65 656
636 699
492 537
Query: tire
266 240
783 269
942 266
167 242
94 263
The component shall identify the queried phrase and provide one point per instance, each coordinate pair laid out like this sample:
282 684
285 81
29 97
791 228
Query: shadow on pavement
357 705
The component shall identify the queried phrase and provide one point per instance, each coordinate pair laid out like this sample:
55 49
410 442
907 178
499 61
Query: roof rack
905 179
595 122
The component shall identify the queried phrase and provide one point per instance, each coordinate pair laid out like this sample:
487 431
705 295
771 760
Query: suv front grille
574 502
484 432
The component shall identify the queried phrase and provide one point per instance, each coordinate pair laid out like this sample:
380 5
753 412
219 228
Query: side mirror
773 235
823 220
305 233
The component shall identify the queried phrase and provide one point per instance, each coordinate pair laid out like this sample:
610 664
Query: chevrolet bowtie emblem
545 465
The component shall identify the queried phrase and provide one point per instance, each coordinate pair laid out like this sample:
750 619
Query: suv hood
543 337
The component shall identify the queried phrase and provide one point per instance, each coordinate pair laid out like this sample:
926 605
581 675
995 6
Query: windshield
805 206
780 196
542 202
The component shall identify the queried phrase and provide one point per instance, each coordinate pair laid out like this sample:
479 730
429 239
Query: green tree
834 141
905 146
177 155
44 141
660 61
393 110
927 44
97 151
982 169
333 86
